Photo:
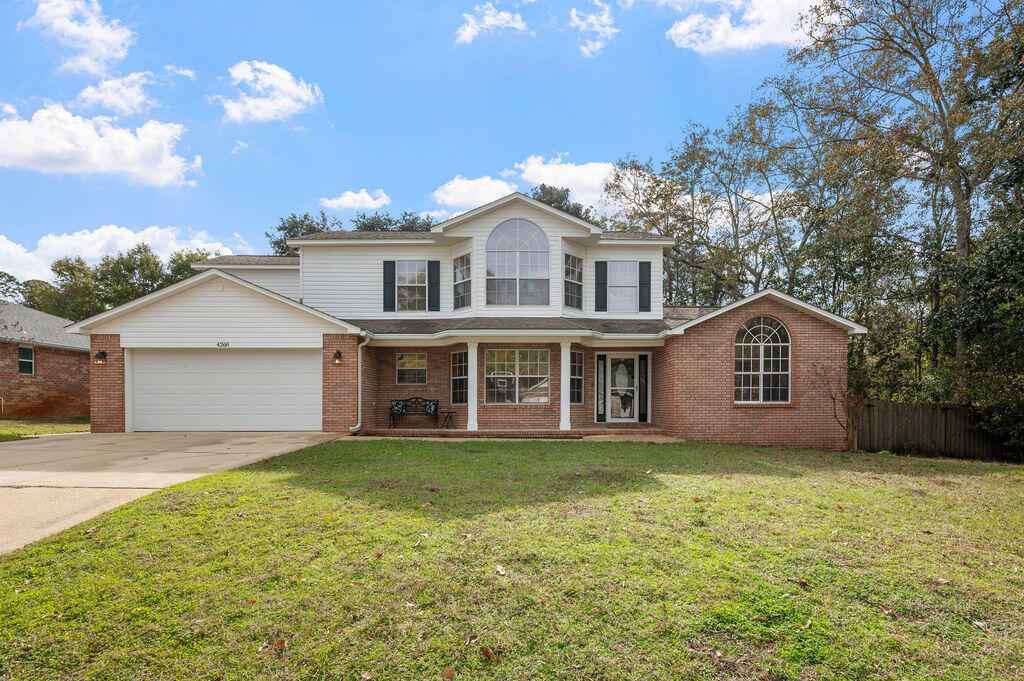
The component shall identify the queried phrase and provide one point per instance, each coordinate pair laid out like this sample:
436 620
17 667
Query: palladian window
517 264
762 361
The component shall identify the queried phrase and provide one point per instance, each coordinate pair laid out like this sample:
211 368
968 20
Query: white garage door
226 389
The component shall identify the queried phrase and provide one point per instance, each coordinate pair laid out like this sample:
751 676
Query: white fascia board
39 344
512 336
185 284
200 266
853 328
359 242
636 242
515 196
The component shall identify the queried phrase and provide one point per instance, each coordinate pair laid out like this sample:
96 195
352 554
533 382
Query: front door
622 379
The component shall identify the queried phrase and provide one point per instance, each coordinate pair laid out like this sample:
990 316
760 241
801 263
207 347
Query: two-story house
515 317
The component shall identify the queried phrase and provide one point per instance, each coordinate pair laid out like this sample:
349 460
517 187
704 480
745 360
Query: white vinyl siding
219 311
226 389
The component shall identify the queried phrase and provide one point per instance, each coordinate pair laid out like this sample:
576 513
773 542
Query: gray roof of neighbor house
21 324
241 260
386 327
631 236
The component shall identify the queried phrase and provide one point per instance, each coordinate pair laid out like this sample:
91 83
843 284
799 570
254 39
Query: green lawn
13 429
569 560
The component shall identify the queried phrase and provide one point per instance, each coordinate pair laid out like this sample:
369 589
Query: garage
224 389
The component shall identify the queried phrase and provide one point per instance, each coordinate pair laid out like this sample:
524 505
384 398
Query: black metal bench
413 406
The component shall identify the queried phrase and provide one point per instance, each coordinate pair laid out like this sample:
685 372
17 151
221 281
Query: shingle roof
249 260
356 234
25 325
685 314
631 236
432 326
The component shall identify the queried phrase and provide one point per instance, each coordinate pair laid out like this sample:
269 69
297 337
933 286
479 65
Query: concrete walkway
50 483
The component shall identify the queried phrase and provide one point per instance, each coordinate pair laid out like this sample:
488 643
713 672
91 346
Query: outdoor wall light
337 356
101 357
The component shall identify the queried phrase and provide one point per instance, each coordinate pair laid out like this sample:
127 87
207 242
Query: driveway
50 483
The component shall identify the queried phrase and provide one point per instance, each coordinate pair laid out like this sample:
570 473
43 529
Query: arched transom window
762 361
517 264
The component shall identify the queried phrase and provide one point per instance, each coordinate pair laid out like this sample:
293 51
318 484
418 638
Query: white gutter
359 386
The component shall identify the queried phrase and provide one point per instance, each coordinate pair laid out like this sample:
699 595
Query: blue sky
200 124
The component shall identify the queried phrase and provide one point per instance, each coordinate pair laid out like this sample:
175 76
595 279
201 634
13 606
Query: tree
384 222
179 264
128 275
10 287
558 197
295 225
74 293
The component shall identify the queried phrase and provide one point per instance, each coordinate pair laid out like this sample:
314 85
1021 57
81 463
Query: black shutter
601 286
433 285
641 387
645 285
389 285
599 388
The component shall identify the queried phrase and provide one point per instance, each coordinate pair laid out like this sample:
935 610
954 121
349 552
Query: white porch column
474 394
564 392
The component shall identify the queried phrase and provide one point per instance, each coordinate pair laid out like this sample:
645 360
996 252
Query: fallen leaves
802 583
500 570
889 612
490 654
471 639
448 673
366 676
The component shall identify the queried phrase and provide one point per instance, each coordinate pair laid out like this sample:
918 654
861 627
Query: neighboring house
515 316
44 370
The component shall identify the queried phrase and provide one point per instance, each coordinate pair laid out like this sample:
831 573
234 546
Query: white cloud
8 109
487 19
597 28
57 141
739 25
93 244
361 199
80 25
462 192
239 146
273 94
439 214
584 180
179 71
242 245
125 95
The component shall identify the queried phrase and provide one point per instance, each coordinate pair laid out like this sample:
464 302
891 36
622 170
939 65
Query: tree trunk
962 209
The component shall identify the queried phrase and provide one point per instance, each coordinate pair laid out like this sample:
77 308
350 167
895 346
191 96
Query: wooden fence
927 429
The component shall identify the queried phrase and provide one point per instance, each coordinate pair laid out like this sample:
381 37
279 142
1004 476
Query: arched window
762 361
517 264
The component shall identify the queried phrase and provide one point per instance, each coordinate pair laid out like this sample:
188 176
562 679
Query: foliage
384 222
10 287
295 226
79 290
558 197
570 560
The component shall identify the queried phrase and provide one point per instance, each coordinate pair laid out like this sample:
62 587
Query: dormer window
517 264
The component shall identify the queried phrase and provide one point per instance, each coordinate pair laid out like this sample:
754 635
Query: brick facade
106 385
340 410
58 388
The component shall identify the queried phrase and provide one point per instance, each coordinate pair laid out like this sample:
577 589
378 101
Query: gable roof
362 235
22 324
510 198
248 260
852 328
185 284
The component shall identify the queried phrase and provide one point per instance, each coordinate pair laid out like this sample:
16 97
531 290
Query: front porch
510 389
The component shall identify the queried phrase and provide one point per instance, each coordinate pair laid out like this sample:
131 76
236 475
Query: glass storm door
621 388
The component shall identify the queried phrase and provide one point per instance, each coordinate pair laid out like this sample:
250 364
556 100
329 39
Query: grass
14 429
570 560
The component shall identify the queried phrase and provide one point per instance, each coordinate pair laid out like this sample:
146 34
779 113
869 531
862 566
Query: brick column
106 384
339 382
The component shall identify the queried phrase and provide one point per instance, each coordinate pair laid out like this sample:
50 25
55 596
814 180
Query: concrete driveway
50 483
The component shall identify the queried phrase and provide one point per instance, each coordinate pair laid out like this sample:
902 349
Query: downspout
359 385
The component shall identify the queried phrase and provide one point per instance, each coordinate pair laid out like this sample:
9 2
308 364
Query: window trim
425 285
467 282
566 280
573 377
517 376
451 373
635 287
760 373
31 362
517 278
398 356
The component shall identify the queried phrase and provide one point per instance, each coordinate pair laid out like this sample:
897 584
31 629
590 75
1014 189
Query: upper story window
573 281
762 361
26 360
623 286
462 293
517 264
411 285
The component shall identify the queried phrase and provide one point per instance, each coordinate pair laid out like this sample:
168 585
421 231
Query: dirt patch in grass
568 560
